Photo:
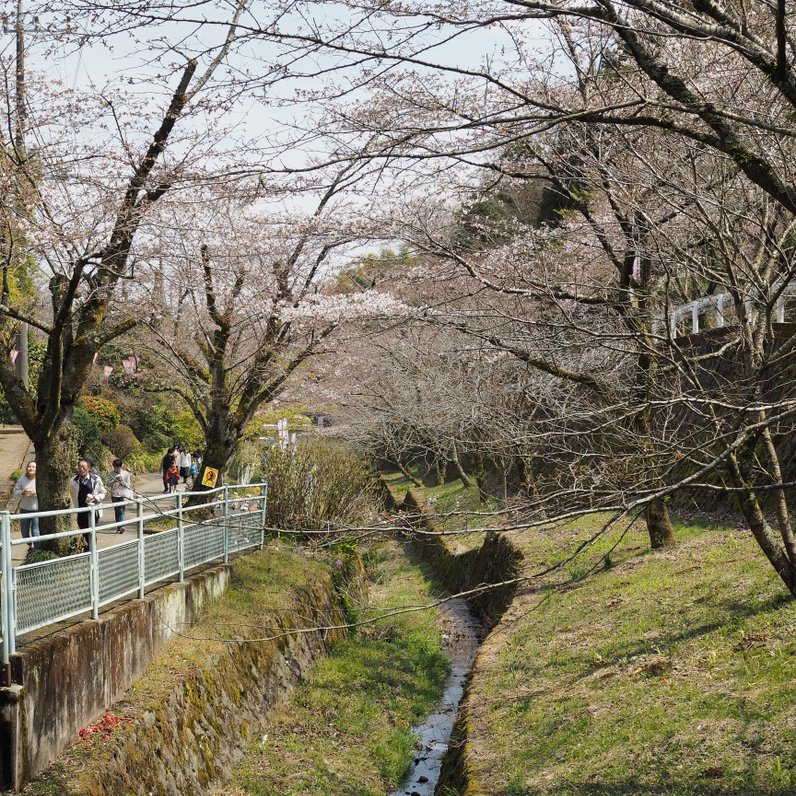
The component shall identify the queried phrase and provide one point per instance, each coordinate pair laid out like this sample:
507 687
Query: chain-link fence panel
52 590
203 543
244 531
161 556
118 571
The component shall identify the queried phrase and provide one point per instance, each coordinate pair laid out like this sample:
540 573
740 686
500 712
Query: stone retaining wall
198 726
67 677
200 720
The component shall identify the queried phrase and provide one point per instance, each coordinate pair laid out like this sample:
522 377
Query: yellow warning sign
210 477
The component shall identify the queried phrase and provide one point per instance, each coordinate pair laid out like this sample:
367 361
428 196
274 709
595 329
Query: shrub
121 441
159 425
321 484
143 461
86 437
105 412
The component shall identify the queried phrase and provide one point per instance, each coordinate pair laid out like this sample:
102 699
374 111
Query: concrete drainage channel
461 645
438 762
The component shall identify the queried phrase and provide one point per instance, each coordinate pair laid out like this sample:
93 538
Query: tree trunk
481 478
780 499
219 448
659 525
54 469
406 474
465 479
768 539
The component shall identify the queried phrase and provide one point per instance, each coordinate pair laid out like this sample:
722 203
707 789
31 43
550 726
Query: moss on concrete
184 724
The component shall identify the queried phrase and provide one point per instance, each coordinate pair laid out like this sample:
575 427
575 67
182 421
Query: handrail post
225 520
139 507
180 538
779 309
7 612
94 563
263 504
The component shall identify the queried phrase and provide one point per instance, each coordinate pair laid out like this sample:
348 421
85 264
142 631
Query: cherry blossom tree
712 81
250 299
76 204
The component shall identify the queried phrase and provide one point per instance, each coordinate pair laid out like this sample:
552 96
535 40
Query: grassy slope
637 673
671 672
347 730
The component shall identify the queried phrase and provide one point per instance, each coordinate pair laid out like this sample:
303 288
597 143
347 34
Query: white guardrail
33 596
718 310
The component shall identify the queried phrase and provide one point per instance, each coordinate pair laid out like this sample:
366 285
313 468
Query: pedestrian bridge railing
718 310
169 541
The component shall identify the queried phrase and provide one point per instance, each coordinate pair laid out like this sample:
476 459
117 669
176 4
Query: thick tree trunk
54 468
659 525
220 445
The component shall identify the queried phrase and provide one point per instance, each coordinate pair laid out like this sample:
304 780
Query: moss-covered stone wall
199 723
199 717
67 677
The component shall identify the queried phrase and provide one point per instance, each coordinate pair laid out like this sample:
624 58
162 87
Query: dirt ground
15 449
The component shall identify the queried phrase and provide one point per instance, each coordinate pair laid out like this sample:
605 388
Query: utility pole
20 153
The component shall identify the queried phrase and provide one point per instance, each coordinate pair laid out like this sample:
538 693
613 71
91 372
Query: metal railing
717 310
35 595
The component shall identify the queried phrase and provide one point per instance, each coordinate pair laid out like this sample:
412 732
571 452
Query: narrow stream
461 644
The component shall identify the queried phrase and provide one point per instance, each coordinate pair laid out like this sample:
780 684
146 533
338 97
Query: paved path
15 452
145 484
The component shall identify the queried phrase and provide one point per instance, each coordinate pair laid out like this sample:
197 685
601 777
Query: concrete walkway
15 452
15 447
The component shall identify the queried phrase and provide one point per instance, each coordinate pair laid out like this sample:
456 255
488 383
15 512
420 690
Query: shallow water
461 644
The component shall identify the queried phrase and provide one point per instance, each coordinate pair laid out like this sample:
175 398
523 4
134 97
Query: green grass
669 672
348 729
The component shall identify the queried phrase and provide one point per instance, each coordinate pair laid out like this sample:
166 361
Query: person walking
172 477
28 504
185 465
121 486
165 463
87 489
